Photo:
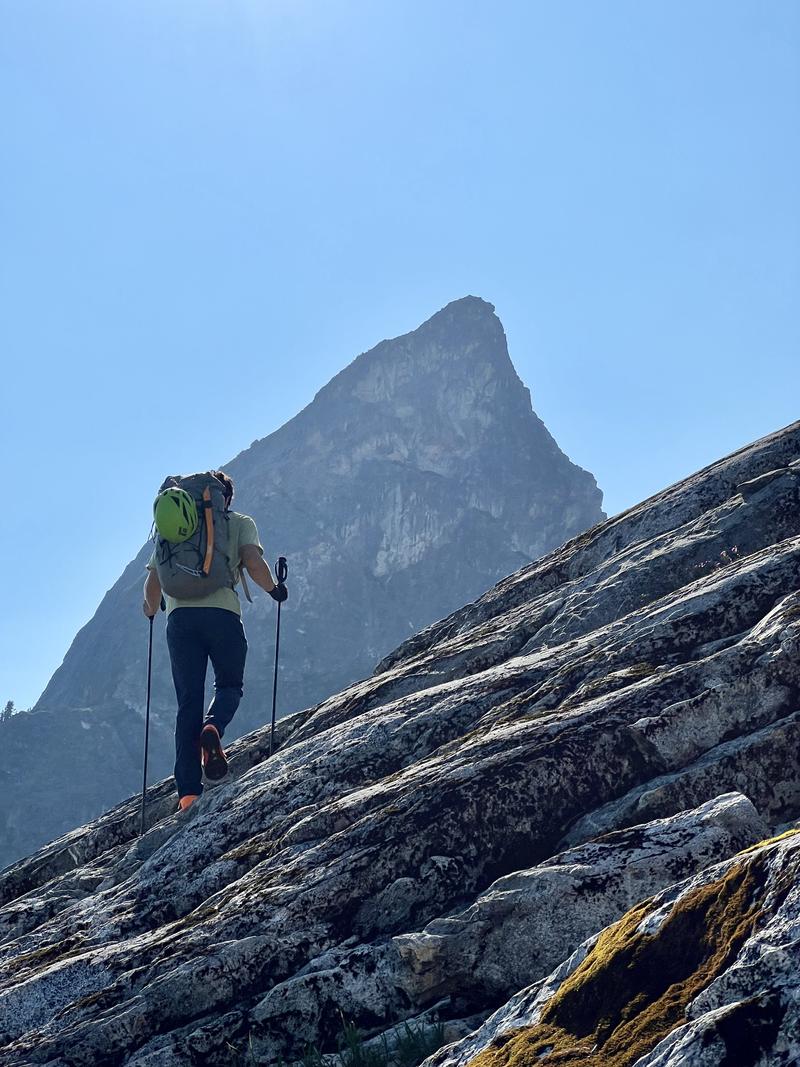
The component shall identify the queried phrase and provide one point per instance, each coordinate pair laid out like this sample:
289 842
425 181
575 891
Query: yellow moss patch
769 841
633 988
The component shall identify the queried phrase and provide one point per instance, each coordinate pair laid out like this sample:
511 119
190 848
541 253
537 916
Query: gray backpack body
201 564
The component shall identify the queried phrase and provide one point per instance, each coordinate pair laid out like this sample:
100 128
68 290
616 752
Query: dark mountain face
417 478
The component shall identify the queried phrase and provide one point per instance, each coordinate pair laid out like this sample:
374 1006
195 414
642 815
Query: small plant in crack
724 559
412 1043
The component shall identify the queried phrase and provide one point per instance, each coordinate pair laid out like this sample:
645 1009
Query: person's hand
148 611
279 593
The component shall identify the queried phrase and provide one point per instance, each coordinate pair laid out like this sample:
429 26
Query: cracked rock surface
618 719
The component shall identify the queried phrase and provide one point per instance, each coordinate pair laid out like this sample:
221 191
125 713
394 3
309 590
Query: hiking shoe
187 801
215 766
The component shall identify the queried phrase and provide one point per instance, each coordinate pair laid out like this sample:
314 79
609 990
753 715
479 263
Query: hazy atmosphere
210 209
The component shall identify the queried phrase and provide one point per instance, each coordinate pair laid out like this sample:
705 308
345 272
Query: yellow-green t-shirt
241 531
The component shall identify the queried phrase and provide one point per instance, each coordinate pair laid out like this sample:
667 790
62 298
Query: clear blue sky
251 192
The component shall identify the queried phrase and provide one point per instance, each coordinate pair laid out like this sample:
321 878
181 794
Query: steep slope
547 736
416 478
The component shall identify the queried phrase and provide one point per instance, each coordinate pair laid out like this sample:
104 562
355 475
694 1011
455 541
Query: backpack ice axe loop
209 530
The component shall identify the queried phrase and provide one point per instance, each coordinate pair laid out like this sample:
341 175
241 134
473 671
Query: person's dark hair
227 485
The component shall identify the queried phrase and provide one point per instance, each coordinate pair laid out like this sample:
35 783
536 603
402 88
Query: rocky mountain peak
465 338
429 398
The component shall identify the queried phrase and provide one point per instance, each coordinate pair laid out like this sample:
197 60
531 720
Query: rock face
711 964
416 478
516 932
453 836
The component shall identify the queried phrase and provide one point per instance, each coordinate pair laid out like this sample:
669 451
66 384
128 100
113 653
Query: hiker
203 625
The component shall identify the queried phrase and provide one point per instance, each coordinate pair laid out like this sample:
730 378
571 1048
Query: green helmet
175 514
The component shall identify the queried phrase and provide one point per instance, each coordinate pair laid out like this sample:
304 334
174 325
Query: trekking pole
147 714
281 571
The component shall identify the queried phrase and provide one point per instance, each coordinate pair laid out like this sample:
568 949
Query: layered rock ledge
602 725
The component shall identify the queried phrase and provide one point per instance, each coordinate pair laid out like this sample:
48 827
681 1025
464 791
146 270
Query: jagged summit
414 480
469 317
541 823
455 367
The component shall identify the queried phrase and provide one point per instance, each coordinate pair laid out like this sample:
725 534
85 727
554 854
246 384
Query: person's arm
257 567
152 594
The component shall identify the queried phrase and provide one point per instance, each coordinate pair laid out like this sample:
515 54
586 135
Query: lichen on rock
553 786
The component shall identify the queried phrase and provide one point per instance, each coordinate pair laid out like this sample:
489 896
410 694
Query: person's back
203 628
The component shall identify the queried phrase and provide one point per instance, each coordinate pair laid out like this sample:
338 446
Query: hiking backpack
199 565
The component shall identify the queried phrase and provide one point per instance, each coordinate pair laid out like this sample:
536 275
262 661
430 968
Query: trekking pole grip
281 571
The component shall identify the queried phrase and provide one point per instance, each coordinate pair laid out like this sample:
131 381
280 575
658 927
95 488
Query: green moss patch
253 850
633 988
615 680
43 957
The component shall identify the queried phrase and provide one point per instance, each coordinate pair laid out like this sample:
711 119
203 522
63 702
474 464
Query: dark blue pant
195 635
